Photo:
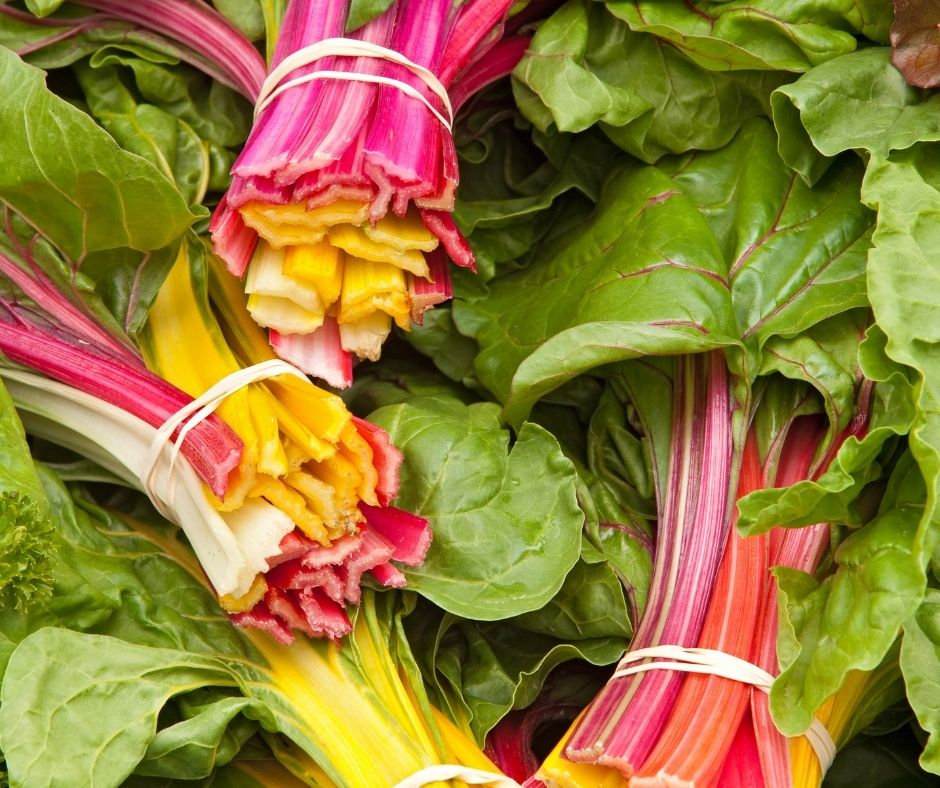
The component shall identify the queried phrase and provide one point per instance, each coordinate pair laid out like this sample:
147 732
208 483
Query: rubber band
448 771
190 415
350 47
718 663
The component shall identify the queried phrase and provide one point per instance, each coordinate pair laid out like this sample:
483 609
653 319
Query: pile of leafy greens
661 178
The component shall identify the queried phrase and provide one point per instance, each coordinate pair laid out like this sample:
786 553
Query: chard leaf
826 357
590 604
758 34
170 145
110 212
216 113
60 169
859 101
60 685
795 256
850 619
43 7
757 254
246 15
506 523
920 653
483 670
903 273
915 39
833 496
211 733
585 67
606 292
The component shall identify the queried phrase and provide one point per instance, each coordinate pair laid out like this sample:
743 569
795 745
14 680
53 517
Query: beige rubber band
718 663
350 47
199 410
448 771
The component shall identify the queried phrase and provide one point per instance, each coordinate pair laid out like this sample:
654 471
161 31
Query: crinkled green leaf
850 619
605 292
920 653
68 177
61 686
26 569
216 113
584 67
825 357
832 497
399 379
169 144
507 527
757 34
904 288
484 670
795 255
452 352
858 101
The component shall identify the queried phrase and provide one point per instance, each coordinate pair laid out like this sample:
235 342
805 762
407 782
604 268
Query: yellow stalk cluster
302 453
333 261
844 713
359 700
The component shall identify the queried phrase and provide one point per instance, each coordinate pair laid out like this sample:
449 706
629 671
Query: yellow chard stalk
304 459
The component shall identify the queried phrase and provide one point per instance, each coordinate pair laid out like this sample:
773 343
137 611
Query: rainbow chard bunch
285 498
338 215
339 210
282 492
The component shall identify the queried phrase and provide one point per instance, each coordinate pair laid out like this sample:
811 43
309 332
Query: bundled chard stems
622 725
665 727
283 493
338 215
339 211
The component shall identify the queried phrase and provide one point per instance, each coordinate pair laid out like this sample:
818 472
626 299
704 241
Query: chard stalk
621 726
201 28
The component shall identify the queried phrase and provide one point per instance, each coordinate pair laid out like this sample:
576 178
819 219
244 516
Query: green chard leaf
758 34
59 169
796 256
507 527
920 652
482 671
849 620
833 497
57 681
858 101
757 255
606 293
905 295
584 67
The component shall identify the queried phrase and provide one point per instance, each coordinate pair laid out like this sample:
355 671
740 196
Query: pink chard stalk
623 723
339 211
